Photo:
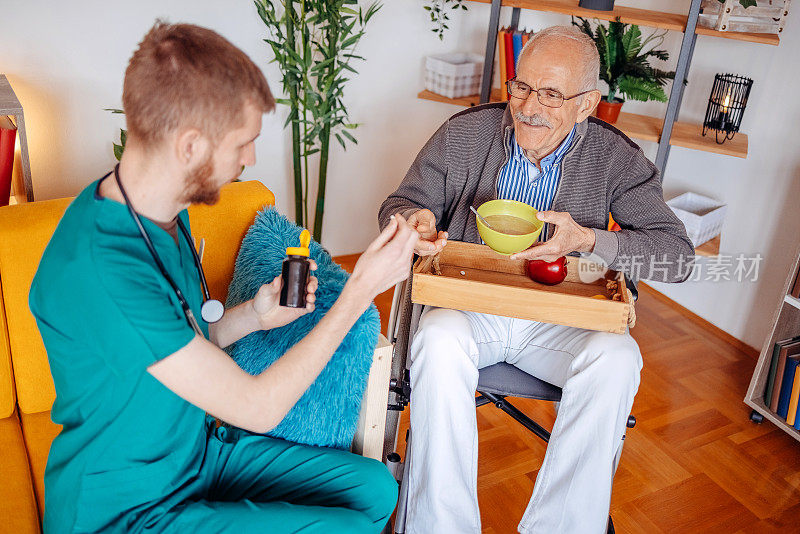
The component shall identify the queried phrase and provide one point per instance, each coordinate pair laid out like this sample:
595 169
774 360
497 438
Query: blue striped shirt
520 179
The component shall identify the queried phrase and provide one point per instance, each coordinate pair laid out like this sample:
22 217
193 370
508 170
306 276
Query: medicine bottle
295 274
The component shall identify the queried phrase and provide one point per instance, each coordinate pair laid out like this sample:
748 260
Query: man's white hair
589 57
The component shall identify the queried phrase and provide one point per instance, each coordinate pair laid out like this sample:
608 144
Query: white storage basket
453 75
702 216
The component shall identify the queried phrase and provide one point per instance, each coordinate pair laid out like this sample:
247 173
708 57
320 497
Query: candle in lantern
723 116
726 104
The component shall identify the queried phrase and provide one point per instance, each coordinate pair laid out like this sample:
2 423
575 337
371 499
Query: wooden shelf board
794 301
466 101
780 422
709 248
689 135
760 38
641 127
632 15
637 126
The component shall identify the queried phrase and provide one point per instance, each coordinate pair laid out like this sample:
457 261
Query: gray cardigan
603 171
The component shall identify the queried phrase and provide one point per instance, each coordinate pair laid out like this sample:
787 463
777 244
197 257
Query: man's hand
568 237
267 308
430 242
386 261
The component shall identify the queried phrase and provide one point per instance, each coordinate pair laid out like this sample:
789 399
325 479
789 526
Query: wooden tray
470 277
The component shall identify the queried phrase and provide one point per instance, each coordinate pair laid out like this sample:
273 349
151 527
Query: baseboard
699 321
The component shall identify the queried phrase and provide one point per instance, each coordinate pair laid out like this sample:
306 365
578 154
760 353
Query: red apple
548 272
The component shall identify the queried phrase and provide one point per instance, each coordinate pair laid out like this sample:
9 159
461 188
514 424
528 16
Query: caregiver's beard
200 189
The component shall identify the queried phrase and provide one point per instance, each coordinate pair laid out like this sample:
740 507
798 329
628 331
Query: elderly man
544 149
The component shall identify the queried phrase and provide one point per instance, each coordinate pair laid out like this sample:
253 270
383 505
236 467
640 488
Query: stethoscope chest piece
212 310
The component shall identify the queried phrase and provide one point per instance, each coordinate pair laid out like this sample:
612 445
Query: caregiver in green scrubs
135 372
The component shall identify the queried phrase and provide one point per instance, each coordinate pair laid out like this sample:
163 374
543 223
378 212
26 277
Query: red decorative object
8 136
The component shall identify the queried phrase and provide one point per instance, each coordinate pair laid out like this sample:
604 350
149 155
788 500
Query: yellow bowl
508 243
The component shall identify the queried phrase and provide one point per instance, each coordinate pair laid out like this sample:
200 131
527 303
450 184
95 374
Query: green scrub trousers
132 455
251 483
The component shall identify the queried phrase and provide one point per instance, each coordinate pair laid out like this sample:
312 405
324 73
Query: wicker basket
702 216
767 16
453 75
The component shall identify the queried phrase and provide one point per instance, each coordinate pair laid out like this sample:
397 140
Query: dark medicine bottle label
295 281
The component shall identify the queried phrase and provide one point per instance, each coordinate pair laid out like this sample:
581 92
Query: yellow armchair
26 387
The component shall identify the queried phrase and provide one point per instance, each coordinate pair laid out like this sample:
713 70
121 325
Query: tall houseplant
313 42
625 65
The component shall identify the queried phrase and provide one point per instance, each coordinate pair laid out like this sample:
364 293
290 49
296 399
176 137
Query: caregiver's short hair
186 76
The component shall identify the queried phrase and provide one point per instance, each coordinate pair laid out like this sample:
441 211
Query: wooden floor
694 463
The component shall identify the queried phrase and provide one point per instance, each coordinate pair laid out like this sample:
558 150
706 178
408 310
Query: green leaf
643 90
351 41
349 136
123 137
748 3
118 151
341 141
663 55
632 42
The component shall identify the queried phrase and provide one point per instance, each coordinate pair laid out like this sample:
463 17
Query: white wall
66 62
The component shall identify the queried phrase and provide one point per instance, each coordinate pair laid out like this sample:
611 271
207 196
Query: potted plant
625 65
313 42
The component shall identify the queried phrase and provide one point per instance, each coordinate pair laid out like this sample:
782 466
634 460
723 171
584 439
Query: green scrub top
106 313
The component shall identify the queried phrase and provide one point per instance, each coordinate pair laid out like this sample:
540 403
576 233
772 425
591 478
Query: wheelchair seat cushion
505 379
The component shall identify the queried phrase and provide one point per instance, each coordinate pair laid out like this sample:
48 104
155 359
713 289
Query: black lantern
726 105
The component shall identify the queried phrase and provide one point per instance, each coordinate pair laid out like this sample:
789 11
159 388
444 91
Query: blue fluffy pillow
327 414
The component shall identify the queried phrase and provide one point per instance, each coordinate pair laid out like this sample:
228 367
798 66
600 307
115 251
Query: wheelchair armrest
368 440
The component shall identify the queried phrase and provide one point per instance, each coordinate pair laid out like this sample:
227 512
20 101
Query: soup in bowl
515 226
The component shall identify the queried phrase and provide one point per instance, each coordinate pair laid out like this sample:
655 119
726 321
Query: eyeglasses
547 97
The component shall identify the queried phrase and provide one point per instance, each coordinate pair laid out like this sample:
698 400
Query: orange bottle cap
302 250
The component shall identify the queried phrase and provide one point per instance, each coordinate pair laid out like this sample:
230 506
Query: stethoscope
212 310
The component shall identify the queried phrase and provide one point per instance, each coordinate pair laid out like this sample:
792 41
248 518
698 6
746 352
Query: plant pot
597 5
609 111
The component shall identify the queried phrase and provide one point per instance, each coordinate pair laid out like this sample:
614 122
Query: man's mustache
532 120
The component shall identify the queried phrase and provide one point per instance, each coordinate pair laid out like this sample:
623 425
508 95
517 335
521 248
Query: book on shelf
508 38
501 60
794 397
8 138
510 43
517 43
782 350
786 386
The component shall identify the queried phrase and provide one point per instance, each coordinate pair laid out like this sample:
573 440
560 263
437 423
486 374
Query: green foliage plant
438 13
313 42
123 135
625 60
